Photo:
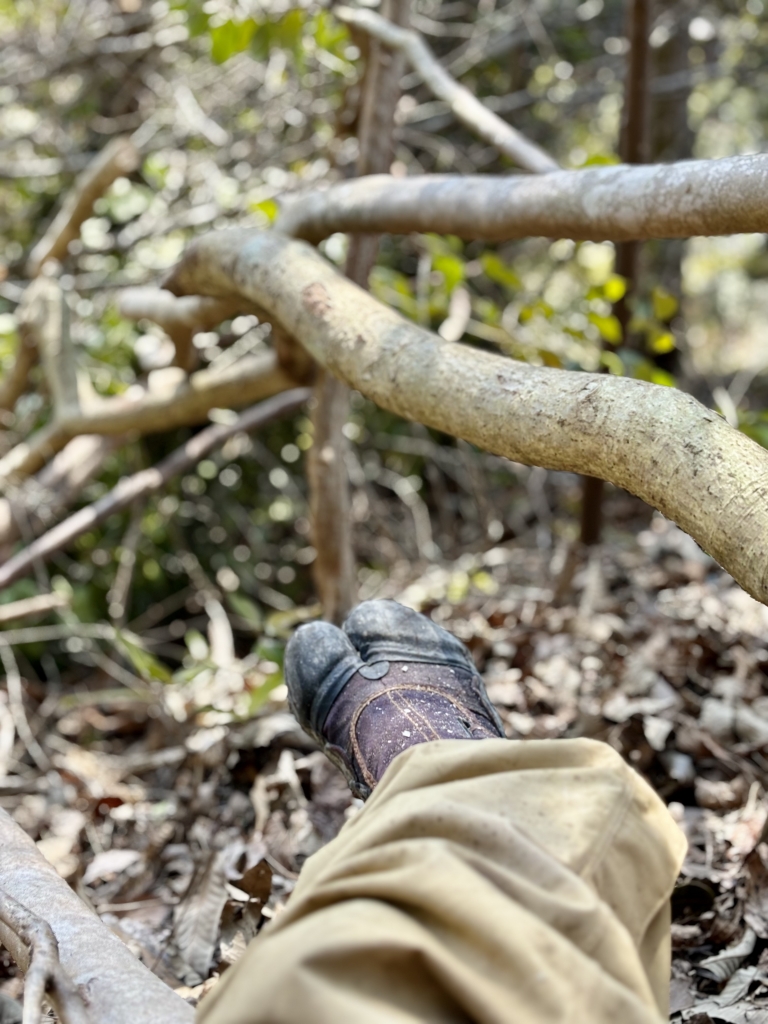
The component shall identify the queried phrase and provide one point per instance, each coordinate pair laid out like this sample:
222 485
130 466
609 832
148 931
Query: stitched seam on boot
367 776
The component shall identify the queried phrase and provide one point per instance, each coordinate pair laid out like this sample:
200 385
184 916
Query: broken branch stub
656 442
693 197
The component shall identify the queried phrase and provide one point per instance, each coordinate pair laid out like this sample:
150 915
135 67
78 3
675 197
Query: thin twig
466 107
147 481
118 158
16 705
28 606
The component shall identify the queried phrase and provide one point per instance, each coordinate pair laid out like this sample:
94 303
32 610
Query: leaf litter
184 810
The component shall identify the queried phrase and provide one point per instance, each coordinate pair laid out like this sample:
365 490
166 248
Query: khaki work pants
497 882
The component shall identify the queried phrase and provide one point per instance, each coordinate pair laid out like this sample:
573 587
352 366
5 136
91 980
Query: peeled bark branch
118 158
115 986
695 197
181 404
466 107
656 442
144 483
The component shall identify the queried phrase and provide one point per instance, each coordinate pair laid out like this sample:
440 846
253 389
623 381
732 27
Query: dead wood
462 103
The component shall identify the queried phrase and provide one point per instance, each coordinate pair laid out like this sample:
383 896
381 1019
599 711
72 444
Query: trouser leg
498 882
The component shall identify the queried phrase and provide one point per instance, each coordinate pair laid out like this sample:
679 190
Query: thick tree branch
115 986
656 442
466 107
695 197
172 405
148 481
118 158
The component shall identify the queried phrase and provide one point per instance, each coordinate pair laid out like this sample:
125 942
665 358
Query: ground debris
186 830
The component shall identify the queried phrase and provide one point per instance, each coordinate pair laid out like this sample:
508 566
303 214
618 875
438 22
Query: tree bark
116 987
696 197
656 442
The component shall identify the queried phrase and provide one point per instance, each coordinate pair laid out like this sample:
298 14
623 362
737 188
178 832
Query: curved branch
144 483
656 442
693 197
466 107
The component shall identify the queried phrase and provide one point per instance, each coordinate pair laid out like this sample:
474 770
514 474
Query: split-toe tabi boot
387 680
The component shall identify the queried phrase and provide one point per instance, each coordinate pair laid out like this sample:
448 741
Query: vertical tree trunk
633 147
328 483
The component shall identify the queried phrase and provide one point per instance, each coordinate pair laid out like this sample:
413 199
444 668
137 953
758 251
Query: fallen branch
115 987
175 404
693 197
181 318
144 483
118 158
656 442
466 107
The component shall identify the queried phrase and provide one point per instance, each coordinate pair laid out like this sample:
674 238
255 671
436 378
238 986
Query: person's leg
493 882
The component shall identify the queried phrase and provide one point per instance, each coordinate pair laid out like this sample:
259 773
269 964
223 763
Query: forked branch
118 158
144 483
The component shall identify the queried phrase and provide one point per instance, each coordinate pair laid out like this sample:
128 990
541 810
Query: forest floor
186 835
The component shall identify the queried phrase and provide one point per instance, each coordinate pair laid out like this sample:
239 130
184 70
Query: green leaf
609 327
615 288
661 342
260 694
601 160
146 665
452 269
665 305
498 271
246 609
267 207
612 362
230 38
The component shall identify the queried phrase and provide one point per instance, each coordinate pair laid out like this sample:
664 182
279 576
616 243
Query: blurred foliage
235 102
